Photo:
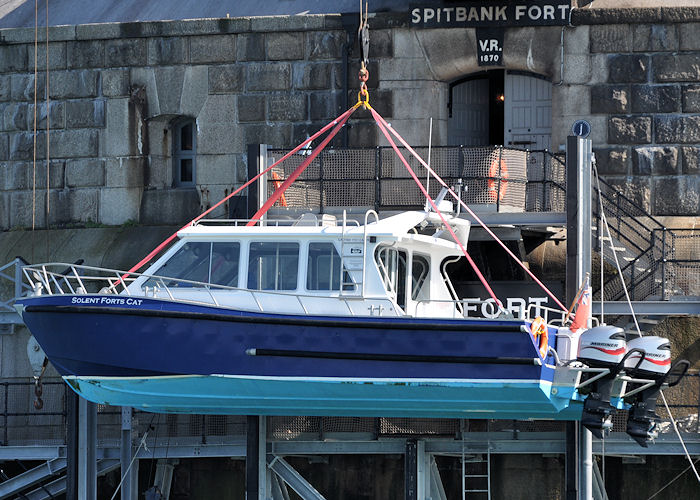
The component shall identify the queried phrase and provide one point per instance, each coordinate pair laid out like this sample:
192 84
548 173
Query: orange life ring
540 334
277 183
498 180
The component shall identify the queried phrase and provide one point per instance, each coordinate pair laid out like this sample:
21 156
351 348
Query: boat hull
329 397
170 356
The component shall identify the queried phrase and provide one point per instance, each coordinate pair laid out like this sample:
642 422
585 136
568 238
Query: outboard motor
601 347
650 360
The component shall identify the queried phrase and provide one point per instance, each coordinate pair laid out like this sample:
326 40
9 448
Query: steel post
578 263
411 470
257 192
256 459
87 450
128 488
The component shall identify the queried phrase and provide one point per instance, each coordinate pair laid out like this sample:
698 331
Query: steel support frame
501 442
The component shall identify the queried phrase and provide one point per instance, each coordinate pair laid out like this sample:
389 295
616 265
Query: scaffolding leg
257 485
411 469
87 450
72 420
130 480
586 487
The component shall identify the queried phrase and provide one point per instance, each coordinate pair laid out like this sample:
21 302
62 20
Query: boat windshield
203 262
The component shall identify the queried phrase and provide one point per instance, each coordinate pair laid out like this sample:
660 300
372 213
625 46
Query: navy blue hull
136 340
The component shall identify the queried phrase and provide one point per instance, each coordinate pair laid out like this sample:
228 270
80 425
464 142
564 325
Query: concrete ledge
185 27
656 15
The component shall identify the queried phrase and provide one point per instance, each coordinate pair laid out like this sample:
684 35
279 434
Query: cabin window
224 264
420 278
184 153
190 262
203 262
273 266
392 267
323 270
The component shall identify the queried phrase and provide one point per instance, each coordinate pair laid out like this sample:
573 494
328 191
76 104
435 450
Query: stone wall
650 98
115 90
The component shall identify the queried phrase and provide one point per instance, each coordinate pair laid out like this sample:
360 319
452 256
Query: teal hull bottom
246 395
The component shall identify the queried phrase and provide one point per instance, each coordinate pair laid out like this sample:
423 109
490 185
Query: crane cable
303 144
471 212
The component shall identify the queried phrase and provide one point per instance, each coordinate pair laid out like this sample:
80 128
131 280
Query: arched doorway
512 108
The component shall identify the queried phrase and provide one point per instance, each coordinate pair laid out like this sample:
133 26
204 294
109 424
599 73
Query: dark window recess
492 261
184 153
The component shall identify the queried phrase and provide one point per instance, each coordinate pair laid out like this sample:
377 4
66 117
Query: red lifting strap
383 128
288 182
170 238
470 211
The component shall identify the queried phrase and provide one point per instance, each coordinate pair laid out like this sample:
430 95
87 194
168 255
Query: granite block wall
649 99
114 91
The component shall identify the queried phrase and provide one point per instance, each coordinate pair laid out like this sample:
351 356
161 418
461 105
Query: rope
617 262
471 212
639 331
380 122
160 247
136 454
288 182
674 479
680 438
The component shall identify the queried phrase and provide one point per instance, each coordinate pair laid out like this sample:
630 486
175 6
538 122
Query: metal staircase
657 263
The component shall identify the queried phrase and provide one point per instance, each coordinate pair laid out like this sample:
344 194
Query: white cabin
388 267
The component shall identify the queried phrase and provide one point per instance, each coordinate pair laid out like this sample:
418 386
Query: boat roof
395 227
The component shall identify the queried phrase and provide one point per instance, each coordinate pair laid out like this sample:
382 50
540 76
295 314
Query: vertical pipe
320 181
411 470
578 263
264 490
5 412
377 178
71 444
125 456
586 463
252 457
87 450
663 264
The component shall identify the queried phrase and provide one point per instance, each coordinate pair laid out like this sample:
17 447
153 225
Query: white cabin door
468 124
528 112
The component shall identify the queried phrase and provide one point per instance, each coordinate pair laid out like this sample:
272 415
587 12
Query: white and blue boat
326 317
315 316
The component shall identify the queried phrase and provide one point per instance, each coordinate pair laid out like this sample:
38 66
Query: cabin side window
420 278
273 266
202 262
225 259
392 268
323 269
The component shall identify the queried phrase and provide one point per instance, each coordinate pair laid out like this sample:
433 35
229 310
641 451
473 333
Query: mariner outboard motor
600 347
654 364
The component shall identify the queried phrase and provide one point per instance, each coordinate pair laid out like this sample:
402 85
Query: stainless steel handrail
44 281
